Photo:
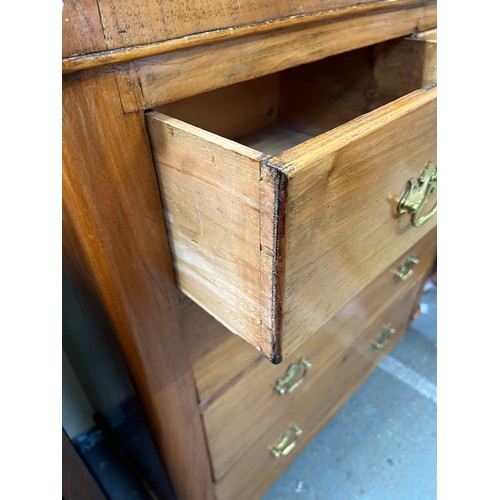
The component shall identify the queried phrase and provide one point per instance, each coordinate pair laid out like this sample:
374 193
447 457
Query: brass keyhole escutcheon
293 377
404 271
287 441
416 195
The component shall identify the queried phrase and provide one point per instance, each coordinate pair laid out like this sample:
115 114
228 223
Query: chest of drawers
277 166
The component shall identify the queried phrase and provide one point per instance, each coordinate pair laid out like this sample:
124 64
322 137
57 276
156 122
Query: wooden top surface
102 32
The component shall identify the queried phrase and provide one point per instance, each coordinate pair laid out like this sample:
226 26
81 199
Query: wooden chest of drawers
255 232
291 157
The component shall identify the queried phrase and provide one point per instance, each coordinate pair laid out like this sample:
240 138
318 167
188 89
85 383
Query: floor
380 446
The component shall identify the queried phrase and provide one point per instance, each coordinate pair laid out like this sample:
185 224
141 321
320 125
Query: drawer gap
279 111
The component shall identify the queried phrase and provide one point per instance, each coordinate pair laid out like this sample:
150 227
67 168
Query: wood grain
273 140
113 208
81 28
149 49
322 95
404 65
210 189
341 378
127 24
250 383
220 359
343 188
238 238
186 72
232 111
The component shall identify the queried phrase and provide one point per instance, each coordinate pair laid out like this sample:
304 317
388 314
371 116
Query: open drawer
287 194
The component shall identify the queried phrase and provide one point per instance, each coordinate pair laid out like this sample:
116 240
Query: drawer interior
258 180
279 111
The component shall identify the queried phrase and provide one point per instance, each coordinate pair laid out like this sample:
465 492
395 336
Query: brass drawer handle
416 195
293 377
404 271
287 441
383 337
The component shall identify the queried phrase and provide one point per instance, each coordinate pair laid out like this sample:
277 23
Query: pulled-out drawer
232 378
287 194
274 450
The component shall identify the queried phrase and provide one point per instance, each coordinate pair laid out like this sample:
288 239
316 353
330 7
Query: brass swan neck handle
416 195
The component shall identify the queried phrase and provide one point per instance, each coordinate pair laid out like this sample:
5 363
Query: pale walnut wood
390 68
169 77
153 21
213 218
231 111
316 405
353 83
206 38
250 383
277 225
114 237
274 139
81 28
220 359
343 186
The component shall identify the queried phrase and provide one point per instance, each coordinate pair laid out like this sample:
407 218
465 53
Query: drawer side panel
210 193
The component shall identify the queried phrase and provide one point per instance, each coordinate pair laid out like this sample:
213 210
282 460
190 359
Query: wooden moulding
152 47
150 82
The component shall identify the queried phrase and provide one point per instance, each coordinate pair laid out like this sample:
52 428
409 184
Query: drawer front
274 246
252 402
343 189
258 468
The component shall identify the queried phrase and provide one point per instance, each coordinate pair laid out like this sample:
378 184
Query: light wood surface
220 359
169 77
257 237
405 64
154 21
274 139
342 377
322 95
81 28
114 229
255 251
232 111
343 188
428 36
210 189
250 383
126 54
